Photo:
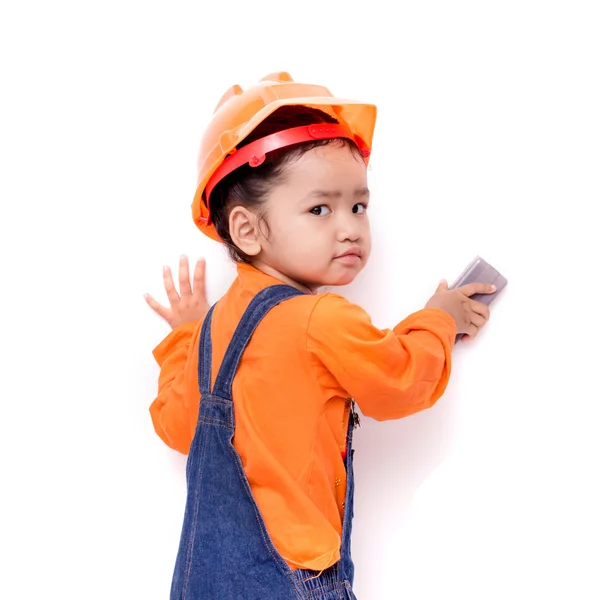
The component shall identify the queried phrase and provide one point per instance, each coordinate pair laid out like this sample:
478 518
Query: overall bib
225 551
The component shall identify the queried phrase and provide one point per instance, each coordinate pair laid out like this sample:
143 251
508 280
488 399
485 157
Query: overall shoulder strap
205 354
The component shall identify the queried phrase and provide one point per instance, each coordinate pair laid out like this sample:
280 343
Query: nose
348 227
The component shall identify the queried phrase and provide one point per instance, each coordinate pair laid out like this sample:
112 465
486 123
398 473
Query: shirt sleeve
170 410
390 373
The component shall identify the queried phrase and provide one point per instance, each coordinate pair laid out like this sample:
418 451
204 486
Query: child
277 365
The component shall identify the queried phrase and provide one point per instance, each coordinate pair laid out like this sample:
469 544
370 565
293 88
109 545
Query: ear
245 231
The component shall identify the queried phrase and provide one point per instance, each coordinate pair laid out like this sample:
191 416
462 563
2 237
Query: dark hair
248 186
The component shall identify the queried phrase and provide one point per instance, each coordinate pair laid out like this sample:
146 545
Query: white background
487 143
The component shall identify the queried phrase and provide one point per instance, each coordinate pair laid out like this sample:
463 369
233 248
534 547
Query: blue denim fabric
225 551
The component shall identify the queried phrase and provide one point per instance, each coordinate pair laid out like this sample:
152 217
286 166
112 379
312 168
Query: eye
319 211
359 208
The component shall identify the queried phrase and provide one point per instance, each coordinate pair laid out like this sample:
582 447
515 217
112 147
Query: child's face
318 229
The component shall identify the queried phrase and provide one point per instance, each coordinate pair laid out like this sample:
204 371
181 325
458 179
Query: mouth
352 255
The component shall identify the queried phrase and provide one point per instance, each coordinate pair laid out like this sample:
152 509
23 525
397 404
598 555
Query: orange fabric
308 356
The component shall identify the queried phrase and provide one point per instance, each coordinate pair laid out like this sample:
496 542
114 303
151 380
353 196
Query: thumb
442 287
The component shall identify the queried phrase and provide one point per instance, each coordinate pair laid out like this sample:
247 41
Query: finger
159 309
478 320
443 286
200 278
185 289
172 294
480 308
477 288
471 332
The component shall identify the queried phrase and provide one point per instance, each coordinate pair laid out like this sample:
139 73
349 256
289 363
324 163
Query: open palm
190 304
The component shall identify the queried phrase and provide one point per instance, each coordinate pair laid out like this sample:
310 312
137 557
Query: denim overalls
225 552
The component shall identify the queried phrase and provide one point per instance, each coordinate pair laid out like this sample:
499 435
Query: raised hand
190 304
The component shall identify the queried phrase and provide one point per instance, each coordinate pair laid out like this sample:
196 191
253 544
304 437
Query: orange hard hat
240 111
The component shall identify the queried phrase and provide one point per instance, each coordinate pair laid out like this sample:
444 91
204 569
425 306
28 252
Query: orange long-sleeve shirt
304 360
